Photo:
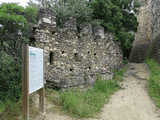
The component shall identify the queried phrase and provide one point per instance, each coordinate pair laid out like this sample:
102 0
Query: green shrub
75 9
10 87
154 81
87 103
16 26
116 20
30 14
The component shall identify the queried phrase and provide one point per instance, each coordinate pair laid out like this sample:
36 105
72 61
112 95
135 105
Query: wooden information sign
32 77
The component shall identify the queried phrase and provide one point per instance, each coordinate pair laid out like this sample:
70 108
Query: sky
21 2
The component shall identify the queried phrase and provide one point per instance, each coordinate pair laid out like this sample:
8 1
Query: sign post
25 95
32 77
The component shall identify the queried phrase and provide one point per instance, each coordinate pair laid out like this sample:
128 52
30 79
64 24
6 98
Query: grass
2 107
11 110
154 81
87 103
75 102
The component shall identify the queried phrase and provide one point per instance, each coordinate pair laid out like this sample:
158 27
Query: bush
116 19
154 81
75 9
10 87
87 103
16 24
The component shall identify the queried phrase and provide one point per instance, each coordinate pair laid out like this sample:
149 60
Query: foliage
126 39
15 26
75 9
10 87
118 75
10 110
30 14
117 16
87 103
154 81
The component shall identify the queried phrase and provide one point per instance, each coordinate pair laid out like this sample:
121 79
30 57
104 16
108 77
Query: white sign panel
35 69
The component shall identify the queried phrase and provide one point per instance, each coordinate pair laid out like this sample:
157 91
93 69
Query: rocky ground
130 103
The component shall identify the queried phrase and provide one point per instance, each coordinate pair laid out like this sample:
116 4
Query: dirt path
130 103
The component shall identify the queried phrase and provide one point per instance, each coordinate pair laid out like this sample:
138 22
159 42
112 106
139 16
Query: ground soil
130 103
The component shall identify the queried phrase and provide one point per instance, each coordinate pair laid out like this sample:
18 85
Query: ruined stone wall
143 36
156 29
73 58
147 40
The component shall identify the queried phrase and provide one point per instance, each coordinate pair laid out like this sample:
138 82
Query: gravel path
130 103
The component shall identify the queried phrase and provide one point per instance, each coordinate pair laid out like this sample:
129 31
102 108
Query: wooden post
25 85
42 90
25 78
41 100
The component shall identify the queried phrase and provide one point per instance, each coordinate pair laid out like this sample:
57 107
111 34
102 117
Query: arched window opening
51 57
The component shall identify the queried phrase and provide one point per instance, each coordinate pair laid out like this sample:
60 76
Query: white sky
21 2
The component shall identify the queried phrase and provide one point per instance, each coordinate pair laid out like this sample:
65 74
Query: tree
75 9
13 25
30 13
118 17
10 87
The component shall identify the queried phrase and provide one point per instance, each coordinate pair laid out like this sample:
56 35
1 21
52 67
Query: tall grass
154 81
88 103
10 110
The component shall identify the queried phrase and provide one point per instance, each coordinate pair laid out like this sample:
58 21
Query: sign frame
25 85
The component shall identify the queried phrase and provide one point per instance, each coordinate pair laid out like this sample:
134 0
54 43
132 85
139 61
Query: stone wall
147 40
143 37
156 29
75 58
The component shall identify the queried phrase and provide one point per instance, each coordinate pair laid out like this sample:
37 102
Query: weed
154 81
87 103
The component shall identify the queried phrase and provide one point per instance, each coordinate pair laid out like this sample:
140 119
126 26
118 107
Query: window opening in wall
53 32
88 52
95 54
51 57
32 39
71 69
76 54
89 68
62 52
34 29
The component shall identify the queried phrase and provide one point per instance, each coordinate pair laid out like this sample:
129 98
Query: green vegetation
154 81
116 17
10 87
15 26
86 103
72 9
10 110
